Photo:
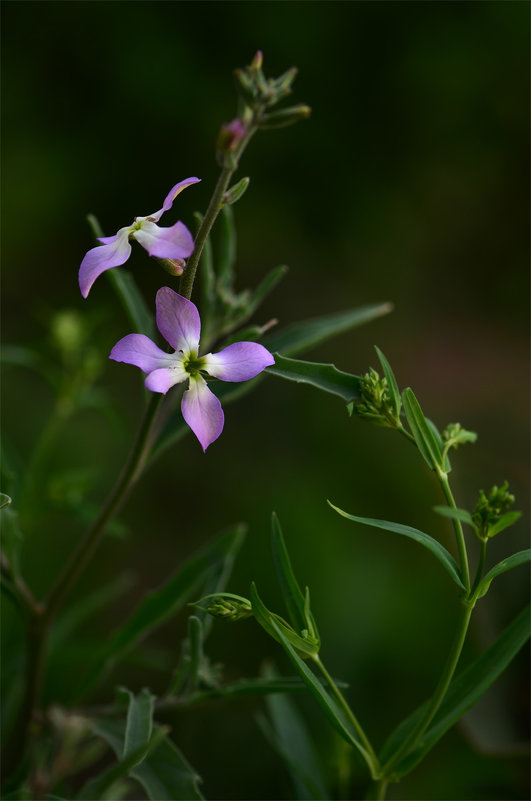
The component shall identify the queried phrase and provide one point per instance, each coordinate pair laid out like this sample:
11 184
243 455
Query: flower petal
172 194
115 252
239 362
175 242
139 350
202 411
165 378
178 320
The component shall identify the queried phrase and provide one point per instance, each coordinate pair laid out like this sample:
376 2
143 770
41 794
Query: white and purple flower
178 322
175 242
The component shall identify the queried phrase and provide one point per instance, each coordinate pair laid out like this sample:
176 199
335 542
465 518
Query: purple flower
175 242
178 322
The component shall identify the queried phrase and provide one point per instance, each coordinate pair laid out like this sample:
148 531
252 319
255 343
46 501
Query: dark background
409 183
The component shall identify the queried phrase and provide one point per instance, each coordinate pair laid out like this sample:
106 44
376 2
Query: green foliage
515 560
427 441
159 605
435 547
164 773
289 736
321 376
463 693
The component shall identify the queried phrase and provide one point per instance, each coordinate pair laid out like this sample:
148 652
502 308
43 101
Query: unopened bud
226 605
236 192
454 435
173 266
258 60
375 405
491 508
288 116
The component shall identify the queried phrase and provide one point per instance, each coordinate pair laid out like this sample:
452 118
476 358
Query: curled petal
139 350
175 242
202 411
178 320
239 362
113 253
165 378
172 194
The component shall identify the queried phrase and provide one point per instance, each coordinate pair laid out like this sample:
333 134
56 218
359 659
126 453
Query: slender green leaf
391 382
245 687
227 249
307 645
424 437
307 333
506 520
139 723
208 278
161 604
516 559
164 774
97 788
78 611
291 592
462 694
289 736
333 713
125 287
195 638
445 558
455 514
263 289
322 376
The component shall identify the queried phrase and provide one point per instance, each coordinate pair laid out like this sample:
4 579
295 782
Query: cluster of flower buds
376 404
491 514
227 605
260 93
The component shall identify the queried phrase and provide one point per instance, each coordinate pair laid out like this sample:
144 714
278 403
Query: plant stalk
458 529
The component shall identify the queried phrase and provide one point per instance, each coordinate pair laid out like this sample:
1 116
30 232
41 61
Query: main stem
440 691
460 537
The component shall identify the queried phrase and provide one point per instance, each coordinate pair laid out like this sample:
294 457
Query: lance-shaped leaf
164 773
296 603
227 249
333 713
304 643
322 376
98 787
130 296
246 687
159 605
258 295
289 736
435 547
462 694
425 438
391 383
516 559
455 514
139 722
305 334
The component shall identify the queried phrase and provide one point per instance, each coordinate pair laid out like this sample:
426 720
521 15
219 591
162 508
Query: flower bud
454 435
173 266
288 116
226 605
491 508
236 192
376 404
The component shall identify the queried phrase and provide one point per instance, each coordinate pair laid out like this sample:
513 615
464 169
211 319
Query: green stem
458 529
481 565
373 762
214 208
440 691
381 790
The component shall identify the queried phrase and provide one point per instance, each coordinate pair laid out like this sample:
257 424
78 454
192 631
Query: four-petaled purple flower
175 242
178 322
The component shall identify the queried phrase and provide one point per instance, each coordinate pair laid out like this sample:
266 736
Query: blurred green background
408 184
